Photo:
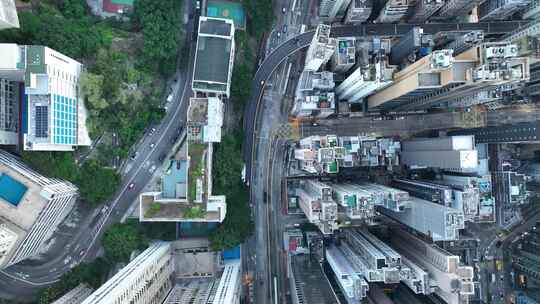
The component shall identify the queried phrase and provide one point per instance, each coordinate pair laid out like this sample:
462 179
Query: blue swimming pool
11 190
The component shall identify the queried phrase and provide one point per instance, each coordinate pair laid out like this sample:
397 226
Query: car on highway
134 155
152 145
131 186
278 34
170 97
152 131
284 28
283 10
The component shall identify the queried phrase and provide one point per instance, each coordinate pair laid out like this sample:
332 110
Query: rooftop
311 284
213 54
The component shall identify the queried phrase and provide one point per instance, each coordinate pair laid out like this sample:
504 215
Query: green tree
120 240
96 183
260 15
92 90
73 8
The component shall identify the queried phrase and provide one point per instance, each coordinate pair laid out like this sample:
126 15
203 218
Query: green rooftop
123 2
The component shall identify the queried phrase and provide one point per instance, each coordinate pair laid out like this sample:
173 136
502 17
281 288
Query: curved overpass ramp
302 41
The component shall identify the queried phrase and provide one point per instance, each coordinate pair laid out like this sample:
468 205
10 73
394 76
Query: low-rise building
76 295
185 189
214 56
319 154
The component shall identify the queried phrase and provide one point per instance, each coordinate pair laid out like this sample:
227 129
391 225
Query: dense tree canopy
227 168
260 14
120 240
160 24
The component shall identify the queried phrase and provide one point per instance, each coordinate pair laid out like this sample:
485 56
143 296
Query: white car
169 98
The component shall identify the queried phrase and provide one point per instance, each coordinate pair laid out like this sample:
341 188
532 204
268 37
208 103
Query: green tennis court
229 10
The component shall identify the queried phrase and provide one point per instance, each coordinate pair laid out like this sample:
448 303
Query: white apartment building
8 14
448 279
333 10
353 284
31 208
229 288
145 280
357 203
321 49
365 81
214 56
316 202
345 56
52 109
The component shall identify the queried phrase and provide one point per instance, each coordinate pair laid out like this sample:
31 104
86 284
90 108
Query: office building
424 9
395 10
353 286
333 10
321 49
356 202
145 280
457 8
500 9
214 56
449 280
8 15
205 118
318 104
413 42
46 85
384 196
438 222
76 295
525 132
369 256
319 154
359 11
444 80
185 190
345 56
31 208
364 81
228 290
465 188
453 153
315 199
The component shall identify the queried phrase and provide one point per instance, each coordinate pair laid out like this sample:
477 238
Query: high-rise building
214 56
449 280
385 197
315 199
345 56
443 80
76 295
357 203
352 284
359 11
532 11
311 82
500 9
460 42
413 41
319 154
453 153
446 194
321 49
375 260
525 132
145 280
394 10
333 10
365 81
46 84
31 208
457 8
424 9
439 222
8 14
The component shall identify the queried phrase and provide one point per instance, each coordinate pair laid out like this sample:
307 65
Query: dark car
161 157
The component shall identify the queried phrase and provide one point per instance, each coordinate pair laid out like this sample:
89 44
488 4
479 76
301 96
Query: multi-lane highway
22 280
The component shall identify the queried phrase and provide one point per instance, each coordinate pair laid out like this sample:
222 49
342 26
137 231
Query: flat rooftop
20 198
311 283
212 59
213 26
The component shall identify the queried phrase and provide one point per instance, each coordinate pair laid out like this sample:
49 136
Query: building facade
321 49
145 280
8 15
